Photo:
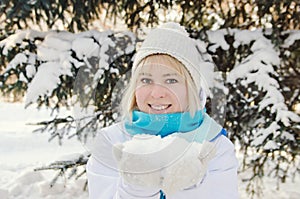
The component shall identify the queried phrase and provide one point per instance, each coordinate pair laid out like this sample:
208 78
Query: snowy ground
21 151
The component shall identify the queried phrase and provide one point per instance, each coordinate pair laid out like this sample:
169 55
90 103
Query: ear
117 151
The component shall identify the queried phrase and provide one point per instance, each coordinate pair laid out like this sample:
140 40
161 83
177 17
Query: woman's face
161 89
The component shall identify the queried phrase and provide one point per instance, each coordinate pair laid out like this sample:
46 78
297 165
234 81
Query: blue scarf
163 124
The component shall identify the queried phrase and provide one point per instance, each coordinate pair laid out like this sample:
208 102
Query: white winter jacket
104 181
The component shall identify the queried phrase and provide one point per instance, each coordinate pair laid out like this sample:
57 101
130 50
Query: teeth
159 107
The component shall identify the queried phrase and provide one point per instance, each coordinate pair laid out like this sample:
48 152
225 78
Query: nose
158 91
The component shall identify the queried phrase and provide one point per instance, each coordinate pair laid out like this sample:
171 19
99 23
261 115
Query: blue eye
171 81
146 81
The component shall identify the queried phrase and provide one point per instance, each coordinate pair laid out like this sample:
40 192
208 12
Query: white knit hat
172 39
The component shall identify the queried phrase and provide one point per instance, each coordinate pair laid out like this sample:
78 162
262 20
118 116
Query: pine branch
69 168
57 127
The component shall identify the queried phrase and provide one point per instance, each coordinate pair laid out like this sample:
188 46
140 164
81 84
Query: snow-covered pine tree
62 69
258 116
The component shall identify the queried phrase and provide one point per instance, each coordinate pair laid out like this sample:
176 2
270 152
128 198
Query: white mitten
170 163
139 161
189 168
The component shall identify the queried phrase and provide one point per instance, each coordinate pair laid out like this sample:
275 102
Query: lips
159 107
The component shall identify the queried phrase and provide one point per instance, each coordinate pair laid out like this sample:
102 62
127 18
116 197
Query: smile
159 107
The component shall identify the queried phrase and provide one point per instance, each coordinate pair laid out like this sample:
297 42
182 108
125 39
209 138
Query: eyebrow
145 74
164 75
170 74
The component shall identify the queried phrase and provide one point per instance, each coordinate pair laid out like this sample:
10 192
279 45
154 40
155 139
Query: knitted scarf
163 124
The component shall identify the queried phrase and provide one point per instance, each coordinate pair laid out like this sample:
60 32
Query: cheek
140 95
180 93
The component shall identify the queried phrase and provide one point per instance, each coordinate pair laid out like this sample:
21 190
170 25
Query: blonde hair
128 103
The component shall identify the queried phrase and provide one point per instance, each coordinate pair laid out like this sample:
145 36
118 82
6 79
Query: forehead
157 69
162 62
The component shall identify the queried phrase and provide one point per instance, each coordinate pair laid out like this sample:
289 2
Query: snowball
170 163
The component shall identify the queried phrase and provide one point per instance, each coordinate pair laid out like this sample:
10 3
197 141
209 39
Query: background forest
78 54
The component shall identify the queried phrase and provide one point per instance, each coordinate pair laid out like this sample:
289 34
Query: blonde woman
166 146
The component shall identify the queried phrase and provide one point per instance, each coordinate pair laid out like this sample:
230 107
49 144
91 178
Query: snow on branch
258 67
18 38
58 54
293 36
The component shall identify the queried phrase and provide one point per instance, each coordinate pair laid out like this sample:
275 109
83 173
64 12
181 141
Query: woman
165 99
